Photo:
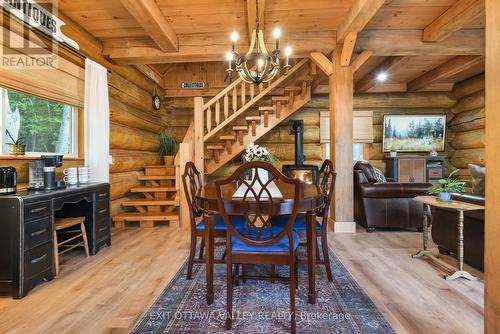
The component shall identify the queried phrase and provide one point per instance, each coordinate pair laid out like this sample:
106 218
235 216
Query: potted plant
167 147
447 186
255 152
17 147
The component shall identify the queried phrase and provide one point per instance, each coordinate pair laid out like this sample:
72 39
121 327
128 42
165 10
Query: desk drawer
102 209
37 210
38 259
37 232
102 229
102 194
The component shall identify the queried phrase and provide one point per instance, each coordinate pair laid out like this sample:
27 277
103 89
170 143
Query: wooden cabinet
26 231
415 169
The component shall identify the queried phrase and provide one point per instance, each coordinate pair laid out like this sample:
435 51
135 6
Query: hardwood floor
109 292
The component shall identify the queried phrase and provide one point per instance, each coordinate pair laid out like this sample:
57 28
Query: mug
83 174
71 179
70 171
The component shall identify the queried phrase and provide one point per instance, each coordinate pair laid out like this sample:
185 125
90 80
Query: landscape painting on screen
414 133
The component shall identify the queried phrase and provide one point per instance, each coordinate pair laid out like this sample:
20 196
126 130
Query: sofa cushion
379 175
367 170
478 174
394 190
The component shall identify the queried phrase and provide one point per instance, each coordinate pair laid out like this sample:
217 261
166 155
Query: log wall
467 122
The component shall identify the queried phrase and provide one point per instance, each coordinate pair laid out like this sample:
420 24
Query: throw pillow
379 175
478 174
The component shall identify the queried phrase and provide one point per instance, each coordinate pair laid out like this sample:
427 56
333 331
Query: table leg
460 251
209 256
425 233
311 255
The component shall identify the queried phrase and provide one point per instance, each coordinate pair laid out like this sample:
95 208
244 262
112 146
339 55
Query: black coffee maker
51 162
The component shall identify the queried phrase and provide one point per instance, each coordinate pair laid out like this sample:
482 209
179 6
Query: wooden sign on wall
193 85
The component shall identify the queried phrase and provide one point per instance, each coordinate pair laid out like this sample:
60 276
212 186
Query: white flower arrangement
254 152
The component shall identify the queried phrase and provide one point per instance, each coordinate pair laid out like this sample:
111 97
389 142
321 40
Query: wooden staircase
229 127
160 202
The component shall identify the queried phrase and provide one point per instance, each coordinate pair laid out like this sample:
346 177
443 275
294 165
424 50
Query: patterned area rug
263 307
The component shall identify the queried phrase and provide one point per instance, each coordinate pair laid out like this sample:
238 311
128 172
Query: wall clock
156 100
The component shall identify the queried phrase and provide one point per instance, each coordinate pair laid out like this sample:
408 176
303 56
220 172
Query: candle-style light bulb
288 53
229 58
234 39
277 35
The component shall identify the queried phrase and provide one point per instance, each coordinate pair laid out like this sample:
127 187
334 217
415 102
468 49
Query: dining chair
192 182
326 182
259 242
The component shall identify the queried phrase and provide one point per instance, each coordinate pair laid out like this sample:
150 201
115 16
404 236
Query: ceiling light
382 76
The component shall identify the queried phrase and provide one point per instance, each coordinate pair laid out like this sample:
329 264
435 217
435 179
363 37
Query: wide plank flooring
107 293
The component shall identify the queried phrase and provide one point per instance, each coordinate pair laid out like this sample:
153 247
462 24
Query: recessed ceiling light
382 76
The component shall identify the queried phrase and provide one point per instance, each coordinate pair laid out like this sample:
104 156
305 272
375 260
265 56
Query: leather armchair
386 205
444 231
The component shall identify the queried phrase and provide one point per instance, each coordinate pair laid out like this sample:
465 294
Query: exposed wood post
185 155
199 151
492 228
341 141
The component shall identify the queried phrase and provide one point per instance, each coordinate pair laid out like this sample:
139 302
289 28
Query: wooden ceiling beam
348 48
204 47
322 62
149 16
409 43
455 18
252 15
387 66
361 59
444 71
151 73
361 12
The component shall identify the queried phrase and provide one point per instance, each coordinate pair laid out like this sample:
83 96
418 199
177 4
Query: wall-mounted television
414 133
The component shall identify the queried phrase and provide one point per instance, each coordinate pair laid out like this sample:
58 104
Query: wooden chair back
327 178
258 204
191 181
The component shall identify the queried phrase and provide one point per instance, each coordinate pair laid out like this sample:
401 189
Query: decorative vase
444 197
168 160
263 175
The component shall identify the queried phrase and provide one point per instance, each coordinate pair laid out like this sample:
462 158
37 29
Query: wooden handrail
252 101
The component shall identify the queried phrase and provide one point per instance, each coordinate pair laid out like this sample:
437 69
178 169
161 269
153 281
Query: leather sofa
385 205
444 231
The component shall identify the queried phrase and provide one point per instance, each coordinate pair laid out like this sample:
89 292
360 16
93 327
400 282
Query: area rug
263 307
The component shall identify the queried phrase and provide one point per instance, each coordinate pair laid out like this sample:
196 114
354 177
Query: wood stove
305 173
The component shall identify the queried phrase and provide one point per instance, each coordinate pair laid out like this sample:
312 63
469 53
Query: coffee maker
51 162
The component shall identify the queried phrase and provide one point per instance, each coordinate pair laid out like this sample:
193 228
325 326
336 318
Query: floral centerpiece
254 152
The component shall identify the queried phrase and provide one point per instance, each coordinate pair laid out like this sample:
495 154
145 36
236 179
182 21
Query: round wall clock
156 100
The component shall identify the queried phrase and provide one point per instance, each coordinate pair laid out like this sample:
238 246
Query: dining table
311 199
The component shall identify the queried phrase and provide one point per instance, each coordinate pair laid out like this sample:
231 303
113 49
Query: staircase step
215 147
228 137
146 216
153 189
240 127
156 177
149 202
253 118
280 98
293 89
307 79
266 108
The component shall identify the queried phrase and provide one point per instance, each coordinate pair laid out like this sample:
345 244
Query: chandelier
257 65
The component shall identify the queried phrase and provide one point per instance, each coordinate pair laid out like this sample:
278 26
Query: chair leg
244 272
56 254
318 257
326 257
85 240
236 274
192 251
292 294
296 271
202 249
229 293
273 272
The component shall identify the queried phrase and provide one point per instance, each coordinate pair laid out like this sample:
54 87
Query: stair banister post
185 155
199 149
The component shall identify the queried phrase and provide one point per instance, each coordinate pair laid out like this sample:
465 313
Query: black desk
26 231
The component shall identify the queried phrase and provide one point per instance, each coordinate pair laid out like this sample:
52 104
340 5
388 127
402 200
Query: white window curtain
96 121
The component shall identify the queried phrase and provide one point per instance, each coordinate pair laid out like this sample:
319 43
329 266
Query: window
357 151
44 126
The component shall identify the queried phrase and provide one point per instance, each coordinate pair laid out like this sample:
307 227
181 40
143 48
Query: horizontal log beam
455 18
469 86
204 47
409 43
470 102
444 71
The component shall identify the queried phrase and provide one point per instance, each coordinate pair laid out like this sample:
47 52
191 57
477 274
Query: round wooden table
312 198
